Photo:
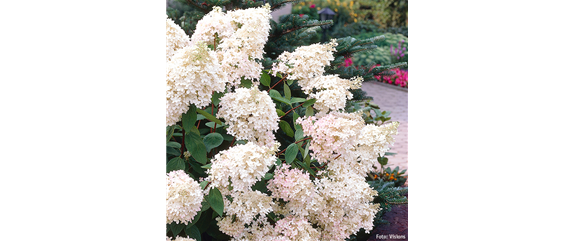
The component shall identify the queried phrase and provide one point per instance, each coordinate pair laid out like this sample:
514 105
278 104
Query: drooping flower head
305 63
333 92
192 75
184 197
251 115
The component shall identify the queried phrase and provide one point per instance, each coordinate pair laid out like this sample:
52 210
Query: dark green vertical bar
491 123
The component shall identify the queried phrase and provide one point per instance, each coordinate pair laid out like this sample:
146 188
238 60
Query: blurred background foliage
364 19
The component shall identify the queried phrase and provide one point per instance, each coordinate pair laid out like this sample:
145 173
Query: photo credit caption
390 236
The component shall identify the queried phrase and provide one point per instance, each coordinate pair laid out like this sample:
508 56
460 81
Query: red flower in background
401 78
301 15
312 6
348 62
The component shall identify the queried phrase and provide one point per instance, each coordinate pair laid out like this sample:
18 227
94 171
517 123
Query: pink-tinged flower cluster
296 189
183 197
333 134
401 78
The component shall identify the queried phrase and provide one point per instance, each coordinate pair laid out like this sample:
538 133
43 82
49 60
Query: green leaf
172 151
246 83
308 103
212 140
204 206
390 153
209 116
281 99
289 81
203 184
194 220
286 128
274 93
208 166
200 117
211 124
287 91
175 164
268 176
188 119
193 232
306 151
280 112
215 200
195 146
215 98
383 161
299 134
265 79
309 111
169 132
176 228
297 100
173 144
291 153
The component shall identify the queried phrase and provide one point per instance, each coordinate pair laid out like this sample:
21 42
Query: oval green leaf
195 146
188 119
265 79
215 200
212 140
175 164
291 153
286 128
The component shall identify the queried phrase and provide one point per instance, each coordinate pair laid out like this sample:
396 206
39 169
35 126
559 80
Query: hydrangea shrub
246 161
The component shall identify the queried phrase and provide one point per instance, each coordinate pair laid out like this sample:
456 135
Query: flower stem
276 84
292 109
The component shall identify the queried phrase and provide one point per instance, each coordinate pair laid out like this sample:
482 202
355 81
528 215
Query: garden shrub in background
261 128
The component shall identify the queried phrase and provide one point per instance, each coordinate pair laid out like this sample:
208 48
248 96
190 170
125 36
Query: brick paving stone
395 101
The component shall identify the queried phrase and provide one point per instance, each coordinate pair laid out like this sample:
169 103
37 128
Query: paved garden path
396 101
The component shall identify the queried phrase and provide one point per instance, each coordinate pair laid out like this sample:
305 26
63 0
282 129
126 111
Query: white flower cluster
305 63
242 165
233 172
346 143
333 92
296 228
251 115
175 38
339 204
246 205
183 197
373 142
213 25
239 36
349 206
192 75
